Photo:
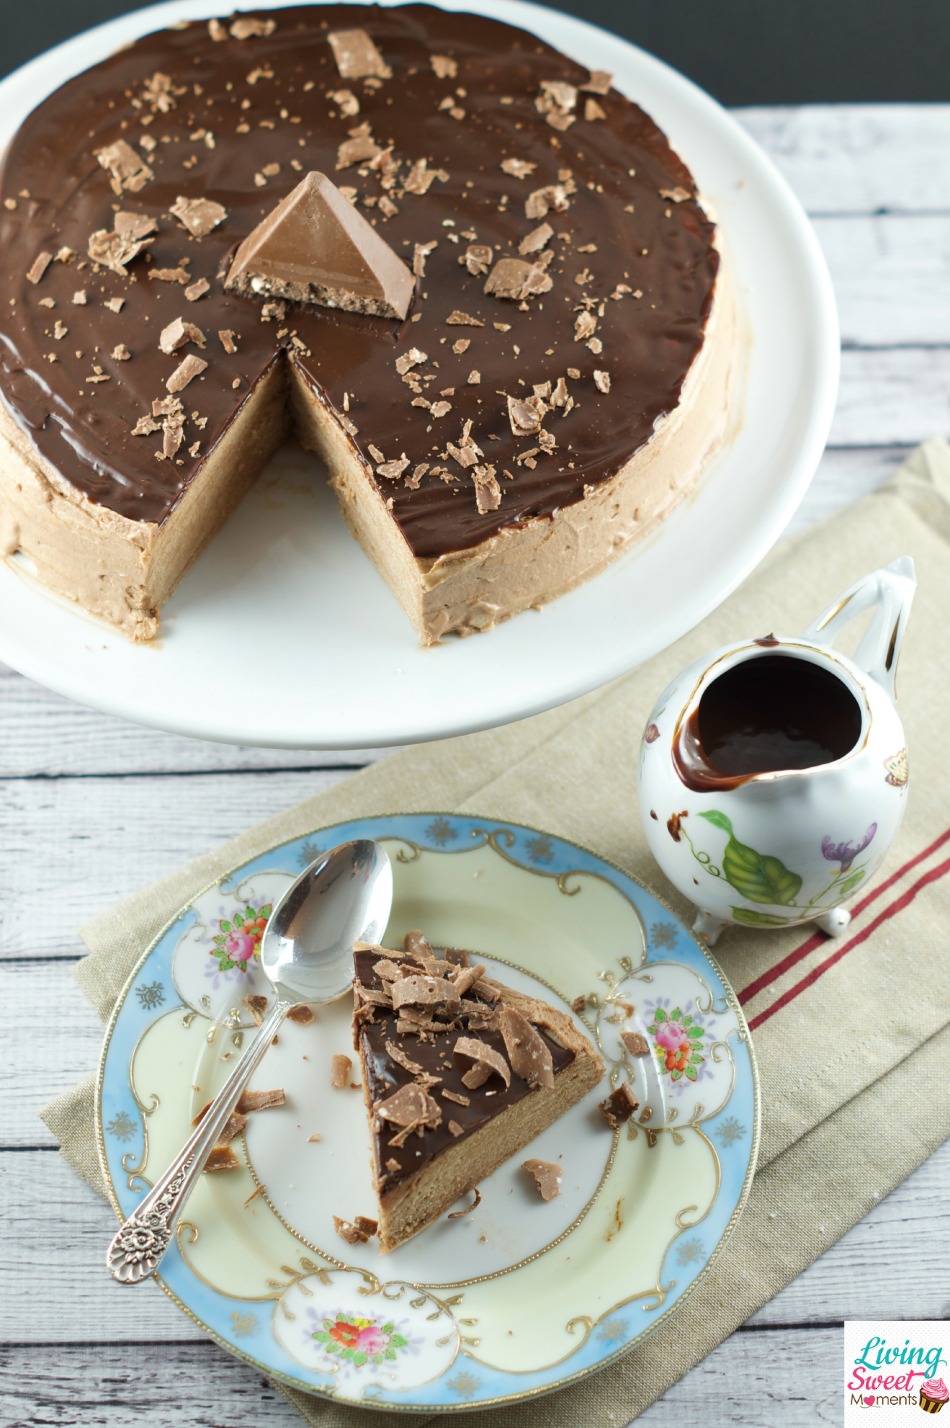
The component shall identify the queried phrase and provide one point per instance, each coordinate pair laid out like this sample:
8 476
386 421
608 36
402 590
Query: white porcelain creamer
773 773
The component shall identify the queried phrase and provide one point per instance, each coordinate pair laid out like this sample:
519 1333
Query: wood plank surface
74 846
858 158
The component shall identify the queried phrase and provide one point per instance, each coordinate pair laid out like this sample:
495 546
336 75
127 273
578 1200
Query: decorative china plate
518 1296
285 582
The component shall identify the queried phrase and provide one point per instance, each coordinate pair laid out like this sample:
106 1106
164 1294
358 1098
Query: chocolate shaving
546 1175
534 241
392 470
406 1062
420 253
135 225
420 177
222 1157
525 414
675 195
487 489
355 1233
177 333
356 55
635 1043
40 264
197 290
466 977
340 1068
518 168
515 280
247 28
185 372
530 1057
114 250
486 1061
462 319
599 82
412 1109
477 258
257 1006
585 324
456 1097
347 100
460 1214
301 1014
602 381
198 215
226 338
233 1127
413 358
260 1101
170 275
127 170
619 1105
425 991
556 196
456 1130
443 66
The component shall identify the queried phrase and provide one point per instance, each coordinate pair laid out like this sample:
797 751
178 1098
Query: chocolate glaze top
240 122
384 1076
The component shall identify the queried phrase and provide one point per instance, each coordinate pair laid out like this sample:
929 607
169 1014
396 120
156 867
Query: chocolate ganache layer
564 266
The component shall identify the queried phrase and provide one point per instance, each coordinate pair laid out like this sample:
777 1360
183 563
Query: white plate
335 663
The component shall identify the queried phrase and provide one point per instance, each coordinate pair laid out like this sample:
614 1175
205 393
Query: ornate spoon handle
137 1249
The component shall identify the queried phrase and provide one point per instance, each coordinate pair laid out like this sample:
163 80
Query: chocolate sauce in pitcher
771 712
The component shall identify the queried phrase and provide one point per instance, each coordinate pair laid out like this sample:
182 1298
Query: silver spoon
307 954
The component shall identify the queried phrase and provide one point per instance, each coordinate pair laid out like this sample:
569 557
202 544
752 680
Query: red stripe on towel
890 911
817 938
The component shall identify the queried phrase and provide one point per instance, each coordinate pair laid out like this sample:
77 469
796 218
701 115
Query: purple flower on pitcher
845 853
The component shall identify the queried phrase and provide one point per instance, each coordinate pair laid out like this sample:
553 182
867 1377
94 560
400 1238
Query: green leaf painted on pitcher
757 919
850 883
757 876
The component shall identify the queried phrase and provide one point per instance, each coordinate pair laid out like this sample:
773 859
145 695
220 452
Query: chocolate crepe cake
459 1073
549 375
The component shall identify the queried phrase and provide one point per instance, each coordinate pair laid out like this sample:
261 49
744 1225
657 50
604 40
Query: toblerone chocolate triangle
316 247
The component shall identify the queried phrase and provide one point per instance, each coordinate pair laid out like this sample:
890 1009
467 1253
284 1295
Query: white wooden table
91 809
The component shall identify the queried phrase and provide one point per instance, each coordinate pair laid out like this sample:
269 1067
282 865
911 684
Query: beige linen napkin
849 1034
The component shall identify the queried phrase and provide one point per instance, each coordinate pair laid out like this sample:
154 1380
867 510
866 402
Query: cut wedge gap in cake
460 1072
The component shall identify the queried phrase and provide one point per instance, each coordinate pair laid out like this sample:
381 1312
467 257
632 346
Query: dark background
742 51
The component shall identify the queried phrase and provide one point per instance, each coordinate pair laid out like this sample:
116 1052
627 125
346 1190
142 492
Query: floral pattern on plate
216 963
393 1335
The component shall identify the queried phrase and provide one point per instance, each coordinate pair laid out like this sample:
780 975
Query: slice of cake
459 1073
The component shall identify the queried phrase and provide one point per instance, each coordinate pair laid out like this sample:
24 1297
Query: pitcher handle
889 592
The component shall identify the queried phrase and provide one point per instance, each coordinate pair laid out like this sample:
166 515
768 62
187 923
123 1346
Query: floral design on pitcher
762 878
360 1341
897 770
237 942
845 853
